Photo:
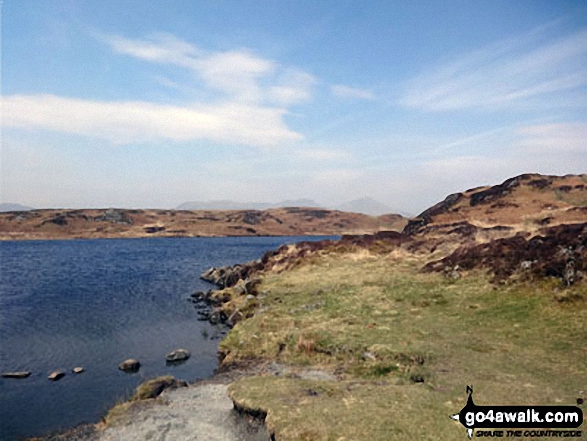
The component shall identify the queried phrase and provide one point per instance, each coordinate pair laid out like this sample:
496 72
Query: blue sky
151 104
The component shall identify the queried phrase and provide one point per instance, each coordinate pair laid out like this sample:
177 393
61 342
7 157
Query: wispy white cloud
554 138
343 91
240 74
161 48
507 72
248 96
133 121
292 86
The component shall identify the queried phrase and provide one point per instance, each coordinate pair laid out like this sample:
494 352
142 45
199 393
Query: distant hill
232 205
5 207
111 223
365 205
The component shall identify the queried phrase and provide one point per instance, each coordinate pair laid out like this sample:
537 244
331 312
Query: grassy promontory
377 337
403 345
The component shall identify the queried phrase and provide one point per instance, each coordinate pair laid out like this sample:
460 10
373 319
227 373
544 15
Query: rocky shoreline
218 416
558 252
178 410
188 409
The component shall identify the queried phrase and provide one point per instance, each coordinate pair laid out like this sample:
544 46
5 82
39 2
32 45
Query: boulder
130 365
251 286
154 387
22 374
57 375
177 355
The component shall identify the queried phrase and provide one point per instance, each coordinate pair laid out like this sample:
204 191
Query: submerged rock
130 365
57 375
23 374
178 355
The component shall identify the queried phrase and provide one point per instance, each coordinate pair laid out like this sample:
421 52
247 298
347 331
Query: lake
95 303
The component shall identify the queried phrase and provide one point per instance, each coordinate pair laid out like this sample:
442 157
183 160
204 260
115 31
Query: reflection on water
95 303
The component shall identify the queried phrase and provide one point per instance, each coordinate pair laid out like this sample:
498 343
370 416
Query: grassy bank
403 345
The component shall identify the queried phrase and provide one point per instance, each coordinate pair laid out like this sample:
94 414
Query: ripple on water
95 303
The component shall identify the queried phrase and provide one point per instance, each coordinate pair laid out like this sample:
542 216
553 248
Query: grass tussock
405 345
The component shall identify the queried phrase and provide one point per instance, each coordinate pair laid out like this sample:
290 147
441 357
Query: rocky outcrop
415 225
154 229
227 276
559 252
115 216
153 388
497 191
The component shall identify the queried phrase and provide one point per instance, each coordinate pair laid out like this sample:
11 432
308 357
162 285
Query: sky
109 103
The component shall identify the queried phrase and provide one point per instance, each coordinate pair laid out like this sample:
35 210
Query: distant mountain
222 205
298 203
366 206
4 207
232 205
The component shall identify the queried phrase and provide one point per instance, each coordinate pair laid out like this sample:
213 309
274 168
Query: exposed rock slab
201 412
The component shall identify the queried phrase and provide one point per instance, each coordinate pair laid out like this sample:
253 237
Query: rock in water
130 365
57 375
178 355
22 374
77 370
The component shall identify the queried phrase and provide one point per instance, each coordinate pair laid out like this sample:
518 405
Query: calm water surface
95 303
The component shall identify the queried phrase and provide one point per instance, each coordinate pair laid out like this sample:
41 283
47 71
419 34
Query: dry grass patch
411 341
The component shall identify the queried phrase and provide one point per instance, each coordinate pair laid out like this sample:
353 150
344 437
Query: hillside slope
525 203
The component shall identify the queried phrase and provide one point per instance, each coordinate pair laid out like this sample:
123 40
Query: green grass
578 199
410 340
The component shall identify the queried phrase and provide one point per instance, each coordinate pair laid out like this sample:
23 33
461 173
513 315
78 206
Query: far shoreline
51 239
122 223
